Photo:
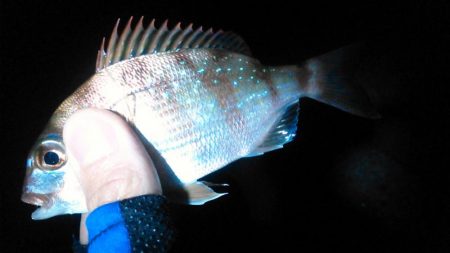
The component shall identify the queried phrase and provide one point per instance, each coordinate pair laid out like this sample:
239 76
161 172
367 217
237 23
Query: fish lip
35 199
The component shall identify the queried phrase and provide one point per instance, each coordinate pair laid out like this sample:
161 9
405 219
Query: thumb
113 163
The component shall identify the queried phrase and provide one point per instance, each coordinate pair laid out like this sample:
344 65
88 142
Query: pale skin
113 163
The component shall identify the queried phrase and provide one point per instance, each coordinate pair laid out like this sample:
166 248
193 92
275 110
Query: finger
114 164
84 237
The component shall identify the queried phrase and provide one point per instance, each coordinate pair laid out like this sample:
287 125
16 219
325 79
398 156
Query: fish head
51 181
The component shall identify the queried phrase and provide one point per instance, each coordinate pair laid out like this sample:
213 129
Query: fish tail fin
330 79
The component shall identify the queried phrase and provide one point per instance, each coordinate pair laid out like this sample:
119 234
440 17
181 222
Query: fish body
201 109
201 104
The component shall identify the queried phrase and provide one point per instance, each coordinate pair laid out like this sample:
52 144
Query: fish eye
51 158
50 155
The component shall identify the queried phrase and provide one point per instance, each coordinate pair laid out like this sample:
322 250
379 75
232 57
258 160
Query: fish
197 98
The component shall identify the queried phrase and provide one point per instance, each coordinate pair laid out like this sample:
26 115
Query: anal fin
282 132
199 192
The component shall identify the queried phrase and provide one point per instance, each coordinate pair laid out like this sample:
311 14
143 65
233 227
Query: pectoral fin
199 192
282 132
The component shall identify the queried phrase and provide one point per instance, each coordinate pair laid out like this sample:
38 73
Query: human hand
113 163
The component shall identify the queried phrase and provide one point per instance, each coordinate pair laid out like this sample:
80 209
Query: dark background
345 183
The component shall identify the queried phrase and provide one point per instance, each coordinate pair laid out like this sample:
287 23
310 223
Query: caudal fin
330 78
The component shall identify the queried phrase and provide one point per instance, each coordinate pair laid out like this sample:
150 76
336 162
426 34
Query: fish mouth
41 200
35 199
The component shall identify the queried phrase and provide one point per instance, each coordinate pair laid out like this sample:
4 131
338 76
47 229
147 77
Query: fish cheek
45 182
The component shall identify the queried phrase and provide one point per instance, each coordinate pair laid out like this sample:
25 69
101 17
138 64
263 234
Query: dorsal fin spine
155 40
100 56
201 39
133 38
150 29
167 41
169 38
112 42
119 49
213 37
180 37
191 37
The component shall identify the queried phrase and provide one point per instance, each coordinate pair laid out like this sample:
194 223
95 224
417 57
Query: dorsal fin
139 41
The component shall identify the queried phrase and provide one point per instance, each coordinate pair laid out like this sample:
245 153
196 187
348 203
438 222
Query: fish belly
201 109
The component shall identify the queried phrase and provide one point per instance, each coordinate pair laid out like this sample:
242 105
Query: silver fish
197 97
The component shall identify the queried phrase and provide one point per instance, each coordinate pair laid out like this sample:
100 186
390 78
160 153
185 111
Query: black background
345 183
